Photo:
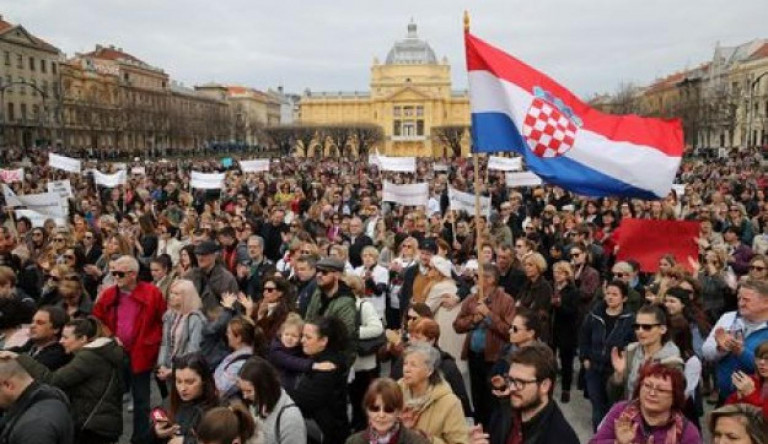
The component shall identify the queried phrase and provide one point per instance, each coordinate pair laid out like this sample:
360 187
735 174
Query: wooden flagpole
478 244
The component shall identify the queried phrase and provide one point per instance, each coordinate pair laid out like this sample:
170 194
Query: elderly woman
738 423
183 324
565 315
712 276
441 297
407 257
384 404
653 415
430 405
537 293
375 277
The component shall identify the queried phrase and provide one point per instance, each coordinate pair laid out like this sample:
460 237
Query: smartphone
159 415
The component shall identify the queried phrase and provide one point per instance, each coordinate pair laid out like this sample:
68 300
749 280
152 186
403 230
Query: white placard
414 194
254 166
120 166
505 163
440 167
38 219
48 204
679 189
11 200
461 201
61 187
207 181
10 176
64 163
109 180
396 164
523 179
139 171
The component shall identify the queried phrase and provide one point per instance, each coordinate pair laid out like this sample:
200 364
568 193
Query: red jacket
148 324
753 398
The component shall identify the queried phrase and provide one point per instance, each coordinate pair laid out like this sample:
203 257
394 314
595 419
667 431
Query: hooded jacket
93 382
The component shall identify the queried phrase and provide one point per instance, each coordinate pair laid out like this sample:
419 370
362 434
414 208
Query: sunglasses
620 275
58 240
120 274
575 254
379 409
269 289
413 318
644 327
88 237
69 257
756 268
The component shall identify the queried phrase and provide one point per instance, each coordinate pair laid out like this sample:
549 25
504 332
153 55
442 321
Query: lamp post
752 105
5 86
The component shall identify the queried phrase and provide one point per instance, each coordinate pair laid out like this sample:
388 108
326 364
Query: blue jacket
726 362
595 343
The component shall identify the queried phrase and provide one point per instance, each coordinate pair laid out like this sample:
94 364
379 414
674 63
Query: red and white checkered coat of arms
549 129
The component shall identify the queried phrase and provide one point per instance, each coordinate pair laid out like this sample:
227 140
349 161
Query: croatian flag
564 141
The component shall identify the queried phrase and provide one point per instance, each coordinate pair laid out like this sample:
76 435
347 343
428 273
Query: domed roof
411 50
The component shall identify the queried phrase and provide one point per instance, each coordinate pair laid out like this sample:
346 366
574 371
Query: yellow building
410 95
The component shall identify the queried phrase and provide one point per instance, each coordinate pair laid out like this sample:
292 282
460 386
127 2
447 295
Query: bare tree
282 137
366 135
305 134
625 100
450 137
340 135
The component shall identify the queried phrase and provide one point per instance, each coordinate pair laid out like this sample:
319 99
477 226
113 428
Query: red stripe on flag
666 135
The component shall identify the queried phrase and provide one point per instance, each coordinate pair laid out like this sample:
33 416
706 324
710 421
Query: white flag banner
61 187
139 171
414 194
396 164
10 176
254 166
440 167
207 181
47 204
461 201
109 180
120 166
38 219
523 179
64 163
505 163
679 189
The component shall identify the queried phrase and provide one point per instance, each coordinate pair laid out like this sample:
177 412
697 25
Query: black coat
595 343
273 240
356 249
322 396
549 426
565 317
40 416
53 356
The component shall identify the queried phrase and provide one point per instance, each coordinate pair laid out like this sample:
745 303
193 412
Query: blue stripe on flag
493 131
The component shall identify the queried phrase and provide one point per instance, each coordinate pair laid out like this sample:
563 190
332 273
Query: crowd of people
296 306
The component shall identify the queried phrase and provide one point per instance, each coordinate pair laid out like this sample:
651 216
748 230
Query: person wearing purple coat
653 415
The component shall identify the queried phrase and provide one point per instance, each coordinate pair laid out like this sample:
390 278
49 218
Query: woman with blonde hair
536 294
183 325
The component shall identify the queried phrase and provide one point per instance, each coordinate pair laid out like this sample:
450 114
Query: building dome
411 50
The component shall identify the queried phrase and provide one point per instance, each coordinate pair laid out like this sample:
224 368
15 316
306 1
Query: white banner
10 176
505 163
254 166
440 167
524 179
397 164
461 201
48 204
109 180
679 189
64 163
414 194
139 171
207 181
61 187
38 219
120 166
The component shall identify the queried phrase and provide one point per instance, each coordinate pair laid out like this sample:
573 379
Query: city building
410 97
250 109
29 88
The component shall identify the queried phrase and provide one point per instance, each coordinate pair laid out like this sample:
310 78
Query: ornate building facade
410 96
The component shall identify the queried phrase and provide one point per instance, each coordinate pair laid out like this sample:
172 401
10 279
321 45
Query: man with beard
511 276
304 280
272 233
415 278
252 271
530 416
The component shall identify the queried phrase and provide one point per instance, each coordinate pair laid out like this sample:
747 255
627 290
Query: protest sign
254 166
461 201
505 163
647 240
61 187
64 163
139 171
679 189
48 204
395 164
10 176
109 180
523 179
413 194
207 181
441 167
38 219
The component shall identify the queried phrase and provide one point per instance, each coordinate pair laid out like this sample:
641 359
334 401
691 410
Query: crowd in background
296 306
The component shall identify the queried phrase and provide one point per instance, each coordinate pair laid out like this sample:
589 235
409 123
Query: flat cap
207 247
330 264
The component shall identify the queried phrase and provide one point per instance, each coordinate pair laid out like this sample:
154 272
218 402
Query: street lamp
5 86
752 105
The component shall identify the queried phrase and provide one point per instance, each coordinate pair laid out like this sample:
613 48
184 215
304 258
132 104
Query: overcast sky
589 46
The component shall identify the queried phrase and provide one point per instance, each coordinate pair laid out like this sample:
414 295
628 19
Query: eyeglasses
88 237
379 409
413 318
652 388
575 254
644 327
121 274
756 268
620 274
269 289
58 240
519 384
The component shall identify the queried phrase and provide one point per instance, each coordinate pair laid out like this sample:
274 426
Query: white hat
442 265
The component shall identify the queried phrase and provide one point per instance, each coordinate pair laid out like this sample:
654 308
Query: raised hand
618 360
625 431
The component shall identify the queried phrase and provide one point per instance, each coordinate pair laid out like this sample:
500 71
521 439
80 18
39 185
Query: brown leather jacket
502 310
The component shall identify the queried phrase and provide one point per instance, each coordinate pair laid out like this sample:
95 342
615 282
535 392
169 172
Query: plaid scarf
675 424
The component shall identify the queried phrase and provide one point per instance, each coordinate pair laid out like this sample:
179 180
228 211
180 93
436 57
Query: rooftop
411 50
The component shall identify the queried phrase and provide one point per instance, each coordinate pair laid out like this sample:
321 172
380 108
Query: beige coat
441 417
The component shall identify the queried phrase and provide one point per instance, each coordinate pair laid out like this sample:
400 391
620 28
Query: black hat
330 264
207 247
428 244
